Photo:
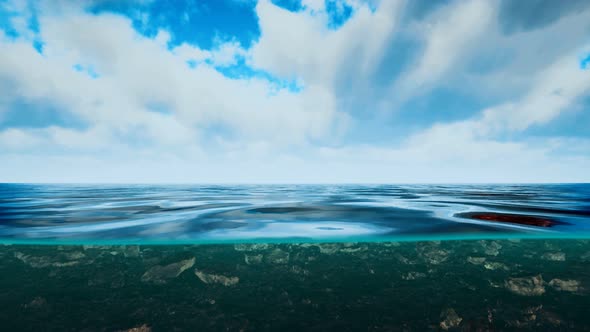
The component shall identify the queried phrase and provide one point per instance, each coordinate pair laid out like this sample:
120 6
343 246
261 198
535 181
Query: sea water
285 257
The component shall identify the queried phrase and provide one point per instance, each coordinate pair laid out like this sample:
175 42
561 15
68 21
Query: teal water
467 285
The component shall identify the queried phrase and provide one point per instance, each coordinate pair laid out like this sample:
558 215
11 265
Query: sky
294 91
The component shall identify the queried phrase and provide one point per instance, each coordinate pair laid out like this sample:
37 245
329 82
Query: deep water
491 285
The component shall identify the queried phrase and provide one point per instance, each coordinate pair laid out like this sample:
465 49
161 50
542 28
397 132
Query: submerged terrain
535 285
291 258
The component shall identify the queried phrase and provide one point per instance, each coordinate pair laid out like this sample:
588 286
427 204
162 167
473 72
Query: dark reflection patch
511 218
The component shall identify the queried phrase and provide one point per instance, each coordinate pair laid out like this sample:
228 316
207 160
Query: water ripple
215 213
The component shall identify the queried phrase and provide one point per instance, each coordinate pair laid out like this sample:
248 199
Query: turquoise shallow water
199 214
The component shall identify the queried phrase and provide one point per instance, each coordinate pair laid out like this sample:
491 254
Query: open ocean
294 257
142 214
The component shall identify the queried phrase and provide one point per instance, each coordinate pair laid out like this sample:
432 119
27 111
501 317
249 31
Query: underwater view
461 285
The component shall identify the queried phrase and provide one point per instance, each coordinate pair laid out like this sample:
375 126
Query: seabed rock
495 266
565 285
413 275
451 319
251 247
353 250
402 259
329 248
131 251
554 256
299 270
390 244
142 328
253 259
491 248
95 247
36 303
216 278
277 256
435 256
536 316
75 255
160 274
529 317
476 260
528 286
38 262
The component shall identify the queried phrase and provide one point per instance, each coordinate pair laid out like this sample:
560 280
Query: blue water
32 213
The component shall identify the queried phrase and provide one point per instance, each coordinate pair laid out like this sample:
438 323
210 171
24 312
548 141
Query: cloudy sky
313 91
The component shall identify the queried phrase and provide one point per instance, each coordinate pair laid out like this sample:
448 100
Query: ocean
294 257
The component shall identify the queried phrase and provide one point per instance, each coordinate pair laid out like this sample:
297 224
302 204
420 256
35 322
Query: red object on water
511 218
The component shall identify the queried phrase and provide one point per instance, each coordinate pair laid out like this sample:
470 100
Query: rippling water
288 213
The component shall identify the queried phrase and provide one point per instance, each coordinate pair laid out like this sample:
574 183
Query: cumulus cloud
135 71
554 90
300 44
466 48
448 33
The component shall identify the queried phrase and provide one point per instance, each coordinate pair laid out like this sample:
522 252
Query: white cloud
135 71
466 49
226 54
473 144
313 5
448 34
301 44
553 91
18 139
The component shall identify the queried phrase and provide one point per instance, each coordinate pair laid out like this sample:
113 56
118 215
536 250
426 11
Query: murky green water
498 285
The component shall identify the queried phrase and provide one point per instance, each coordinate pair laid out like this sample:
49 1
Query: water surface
171 214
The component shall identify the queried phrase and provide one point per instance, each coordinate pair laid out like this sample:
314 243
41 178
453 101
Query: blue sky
338 91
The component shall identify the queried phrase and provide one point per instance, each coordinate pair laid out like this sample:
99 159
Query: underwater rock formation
451 319
253 259
476 260
491 248
495 266
528 286
61 260
565 285
277 256
413 275
160 274
402 286
554 256
142 328
216 279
